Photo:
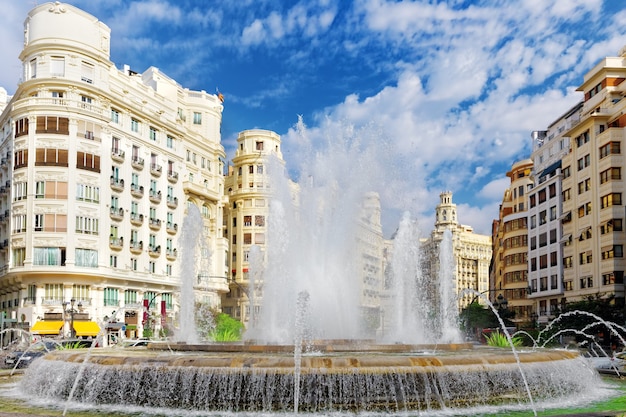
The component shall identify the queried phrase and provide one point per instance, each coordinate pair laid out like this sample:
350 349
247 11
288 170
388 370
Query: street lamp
71 311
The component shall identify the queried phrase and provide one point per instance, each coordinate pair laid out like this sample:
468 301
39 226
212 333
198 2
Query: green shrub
497 339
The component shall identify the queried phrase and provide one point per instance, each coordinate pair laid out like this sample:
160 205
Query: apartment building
509 275
98 167
472 251
247 186
545 235
593 187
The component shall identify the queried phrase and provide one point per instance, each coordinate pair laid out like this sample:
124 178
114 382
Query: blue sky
453 88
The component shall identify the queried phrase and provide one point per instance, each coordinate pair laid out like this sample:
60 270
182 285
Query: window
153 133
21 127
582 139
611 148
553 236
50 222
115 116
543 217
87 72
533 243
567 195
57 66
49 256
53 292
87 161
552 190
197 118
110 297
170 142
113 261
533 201
19 223
87 225
533 222
247 238
616 277
613 199
89 193
259 221
584 186
33 68
20 191
543 239
38 222
53 124
616 251
152 267
610 174
567 172
134 125
130 297
259 145
584 162
553 213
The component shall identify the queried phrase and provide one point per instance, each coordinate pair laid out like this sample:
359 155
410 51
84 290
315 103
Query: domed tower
445 212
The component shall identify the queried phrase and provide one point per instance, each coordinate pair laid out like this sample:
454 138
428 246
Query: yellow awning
46 327
86 328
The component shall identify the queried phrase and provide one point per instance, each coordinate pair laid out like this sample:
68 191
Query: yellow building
509 269
593 188
97 168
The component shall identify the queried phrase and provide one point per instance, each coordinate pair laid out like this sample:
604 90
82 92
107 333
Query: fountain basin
258 378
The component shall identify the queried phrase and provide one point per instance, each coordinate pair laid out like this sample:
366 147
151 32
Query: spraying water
449 311
191 243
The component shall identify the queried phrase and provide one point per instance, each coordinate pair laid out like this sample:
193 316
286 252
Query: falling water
407 306
450 332
191 244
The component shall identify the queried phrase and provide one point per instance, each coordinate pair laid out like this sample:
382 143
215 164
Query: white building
97 168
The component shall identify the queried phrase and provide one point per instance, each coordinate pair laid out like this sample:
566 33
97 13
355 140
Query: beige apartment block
98 167
472 251
509 267
593 188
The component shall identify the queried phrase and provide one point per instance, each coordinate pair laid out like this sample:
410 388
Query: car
23 358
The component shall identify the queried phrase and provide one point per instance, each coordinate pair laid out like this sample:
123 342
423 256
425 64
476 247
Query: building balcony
117 184
155 224
116 243
171 254
3 191
156 170
137 162
136 219
155 196
172 176
4 217
4 245
172 202
154 250
4 163
29 301
136 190
117 213
136 247
172 227
117 154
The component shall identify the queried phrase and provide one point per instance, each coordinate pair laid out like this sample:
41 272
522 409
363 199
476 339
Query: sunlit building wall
594 188
97 168
510 244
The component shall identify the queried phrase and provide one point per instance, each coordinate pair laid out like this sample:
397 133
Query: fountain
313 348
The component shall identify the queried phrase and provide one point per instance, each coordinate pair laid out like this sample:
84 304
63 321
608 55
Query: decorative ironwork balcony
136 219
117 184
172 202
136 190
117 213
117 154
137 162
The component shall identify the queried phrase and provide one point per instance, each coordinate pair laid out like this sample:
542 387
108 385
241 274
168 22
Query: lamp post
71 311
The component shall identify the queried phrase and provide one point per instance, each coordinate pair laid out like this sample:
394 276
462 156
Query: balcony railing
155 224
172 176
117 154
136 190
154 250
117 184
172 202
137 162
171 254
136 219
155 196
136 247
116 242
117 213
172 227
156 169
